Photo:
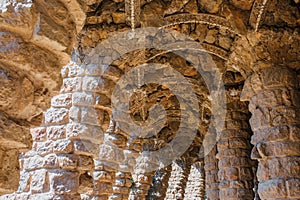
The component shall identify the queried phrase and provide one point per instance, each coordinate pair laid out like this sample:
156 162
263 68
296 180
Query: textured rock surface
65 157
235 166
274 103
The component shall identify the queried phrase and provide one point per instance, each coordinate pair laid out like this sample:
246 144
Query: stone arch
200 18
92 63
247 56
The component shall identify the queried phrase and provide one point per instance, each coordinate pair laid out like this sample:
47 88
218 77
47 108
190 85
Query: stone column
178 180
106 186
51 169
122 185
211 175
274 103
159 184
104 177
123 181
235 165
141 185
195 188
141 176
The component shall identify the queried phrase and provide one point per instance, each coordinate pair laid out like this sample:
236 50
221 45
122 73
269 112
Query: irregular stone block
110 153
33 163
92 116
83 99
278 149
272 189
85 132
62 100
50 161
63 146
85 163
39 182
271 134
56 132
72 70
103 188
293 186
75 114
278 77
38 134
56 116
64 182
44 148
82 147
68 161
286 168
71 85
97 84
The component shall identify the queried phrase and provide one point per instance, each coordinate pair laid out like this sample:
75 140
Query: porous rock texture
60 136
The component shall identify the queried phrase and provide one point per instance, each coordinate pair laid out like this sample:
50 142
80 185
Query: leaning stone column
141 185
51 169
235 165
160 183
211 175
274 103
142 177
123 181
178 180
195 188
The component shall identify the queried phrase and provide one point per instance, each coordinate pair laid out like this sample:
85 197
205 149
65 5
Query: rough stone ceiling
37 37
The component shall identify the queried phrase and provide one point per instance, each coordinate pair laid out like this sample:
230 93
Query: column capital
268 78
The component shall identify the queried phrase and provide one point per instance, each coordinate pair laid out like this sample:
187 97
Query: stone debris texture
58 136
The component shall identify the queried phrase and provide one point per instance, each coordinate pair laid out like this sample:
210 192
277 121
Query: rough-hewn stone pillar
141 176
195 188
106 186
160 184
178 180
274 103
123 181
104 177
65 145
211 175
52 168
141 185
235 165
121 187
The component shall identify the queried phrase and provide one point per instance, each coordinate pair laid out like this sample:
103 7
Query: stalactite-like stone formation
274 103
132 12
